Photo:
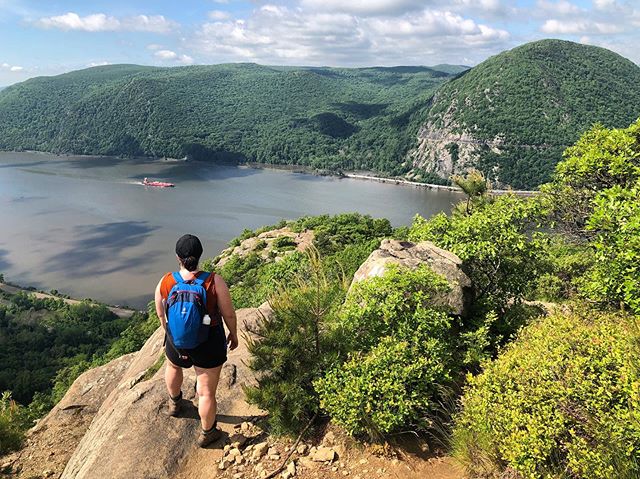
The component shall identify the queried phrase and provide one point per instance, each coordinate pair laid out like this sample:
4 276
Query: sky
50 37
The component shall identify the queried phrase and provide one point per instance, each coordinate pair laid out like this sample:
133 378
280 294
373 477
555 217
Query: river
86 227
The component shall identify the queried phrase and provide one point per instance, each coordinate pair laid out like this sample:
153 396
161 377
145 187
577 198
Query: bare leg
207 385
173 378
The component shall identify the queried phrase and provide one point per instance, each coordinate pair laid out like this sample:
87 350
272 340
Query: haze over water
86 227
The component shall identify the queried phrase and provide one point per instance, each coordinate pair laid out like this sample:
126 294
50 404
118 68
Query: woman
208 357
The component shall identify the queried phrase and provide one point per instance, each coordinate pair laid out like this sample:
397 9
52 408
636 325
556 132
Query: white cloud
277 34
100 22
169 55
580 27
12 68
218 15
363 7
154 46
559 8
166 55
98 64
605 4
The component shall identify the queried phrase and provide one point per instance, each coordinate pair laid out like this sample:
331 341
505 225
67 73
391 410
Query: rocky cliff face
445 147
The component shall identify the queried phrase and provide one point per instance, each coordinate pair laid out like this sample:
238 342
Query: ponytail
190 263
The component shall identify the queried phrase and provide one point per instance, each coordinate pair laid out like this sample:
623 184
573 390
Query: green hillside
531 103
450 69
322 117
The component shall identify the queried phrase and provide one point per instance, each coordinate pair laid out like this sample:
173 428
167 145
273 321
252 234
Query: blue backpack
186 308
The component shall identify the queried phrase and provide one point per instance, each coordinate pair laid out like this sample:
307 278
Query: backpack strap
208 281
202 278
177 277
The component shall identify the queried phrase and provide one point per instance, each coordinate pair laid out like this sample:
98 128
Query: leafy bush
498 244
562 401
12 424
568 264
389 388
601 159
402 352
294 346
599 181
614 277
401 303
283 243
334 232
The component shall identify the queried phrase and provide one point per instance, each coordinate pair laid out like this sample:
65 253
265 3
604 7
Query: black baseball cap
189 245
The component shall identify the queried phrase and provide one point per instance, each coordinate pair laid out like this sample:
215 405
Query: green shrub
503 254
562 401
402 348
400 303
614 278
334 232
568 263
283 243
601 159
12 424
389 388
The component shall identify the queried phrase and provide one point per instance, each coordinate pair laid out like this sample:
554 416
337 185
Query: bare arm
225 305
160 306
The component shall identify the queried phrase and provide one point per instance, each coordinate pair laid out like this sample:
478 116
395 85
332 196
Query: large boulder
412 255
132 436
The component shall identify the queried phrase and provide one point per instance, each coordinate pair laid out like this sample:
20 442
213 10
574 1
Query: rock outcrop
266 245
112 423
412 255
52 441
132 436
444 148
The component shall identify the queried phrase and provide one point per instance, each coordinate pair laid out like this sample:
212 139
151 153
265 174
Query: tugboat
159 184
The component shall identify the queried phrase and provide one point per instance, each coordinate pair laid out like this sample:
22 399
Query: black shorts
210 354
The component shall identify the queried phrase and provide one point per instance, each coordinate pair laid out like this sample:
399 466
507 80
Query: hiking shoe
207 437
175 405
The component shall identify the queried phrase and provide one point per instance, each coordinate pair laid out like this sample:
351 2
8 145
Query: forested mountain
452 69
513 115
322 117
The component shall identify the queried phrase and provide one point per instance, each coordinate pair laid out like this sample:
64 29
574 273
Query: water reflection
88 218
102 249
4 262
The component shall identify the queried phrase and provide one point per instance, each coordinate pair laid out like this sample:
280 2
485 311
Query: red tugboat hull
158 184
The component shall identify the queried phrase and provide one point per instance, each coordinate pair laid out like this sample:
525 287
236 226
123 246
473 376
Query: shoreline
10 288
431 186
302 170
